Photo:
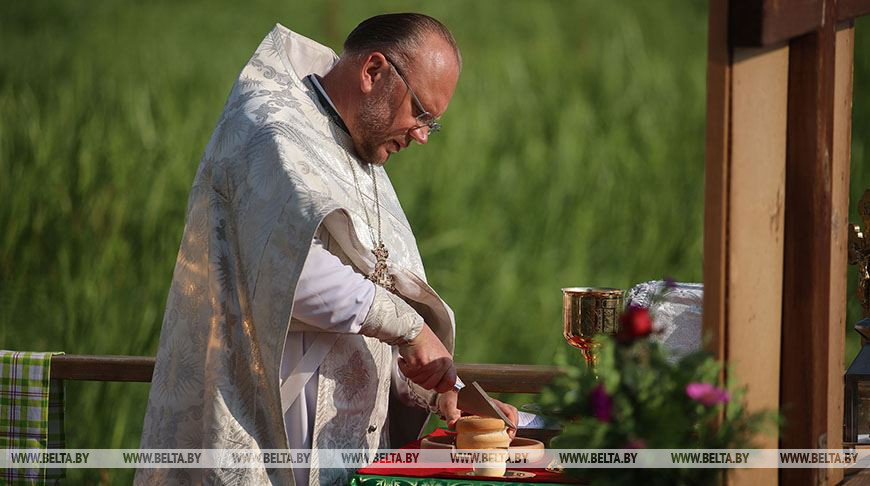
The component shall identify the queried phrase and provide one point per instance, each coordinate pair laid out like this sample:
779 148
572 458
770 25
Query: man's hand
510 412
447 407
450 412
426 362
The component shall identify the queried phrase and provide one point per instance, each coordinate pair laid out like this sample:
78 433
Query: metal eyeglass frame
425 119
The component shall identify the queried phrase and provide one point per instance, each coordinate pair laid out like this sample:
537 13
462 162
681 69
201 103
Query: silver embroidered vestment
273 174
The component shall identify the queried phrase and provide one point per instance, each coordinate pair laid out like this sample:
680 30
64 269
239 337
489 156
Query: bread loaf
481 433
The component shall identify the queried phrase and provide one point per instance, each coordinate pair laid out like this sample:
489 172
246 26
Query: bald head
396 76
401 36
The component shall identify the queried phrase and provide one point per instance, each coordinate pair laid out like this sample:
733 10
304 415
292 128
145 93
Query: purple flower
602 404
707 394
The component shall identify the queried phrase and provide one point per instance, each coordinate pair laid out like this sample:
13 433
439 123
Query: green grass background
573 154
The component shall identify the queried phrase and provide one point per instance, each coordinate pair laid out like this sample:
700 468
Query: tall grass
572 155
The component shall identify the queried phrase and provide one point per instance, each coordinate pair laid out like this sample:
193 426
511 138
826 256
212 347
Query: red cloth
541 475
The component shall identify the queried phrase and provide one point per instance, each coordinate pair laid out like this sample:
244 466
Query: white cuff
391 319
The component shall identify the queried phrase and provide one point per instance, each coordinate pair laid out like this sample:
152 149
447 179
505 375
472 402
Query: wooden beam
744 219
716 180
840 161
756 222
759 23
808 310
497 378
102 368
852 9
856 477
508 378
755 229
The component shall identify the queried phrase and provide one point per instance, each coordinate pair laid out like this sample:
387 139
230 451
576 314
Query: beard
373 121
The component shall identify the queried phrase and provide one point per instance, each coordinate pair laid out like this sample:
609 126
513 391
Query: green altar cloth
373 480
399 476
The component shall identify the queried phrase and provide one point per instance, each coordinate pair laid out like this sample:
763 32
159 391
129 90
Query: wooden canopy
779 108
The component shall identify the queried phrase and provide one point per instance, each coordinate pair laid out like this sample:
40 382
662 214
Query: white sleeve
331 295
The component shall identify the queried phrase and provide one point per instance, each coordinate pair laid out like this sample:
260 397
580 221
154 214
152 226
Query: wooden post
843 65
815 257
743 235
716 180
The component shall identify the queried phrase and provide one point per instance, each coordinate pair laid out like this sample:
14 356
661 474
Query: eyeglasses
424 119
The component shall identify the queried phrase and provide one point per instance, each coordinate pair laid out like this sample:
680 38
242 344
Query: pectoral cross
380 275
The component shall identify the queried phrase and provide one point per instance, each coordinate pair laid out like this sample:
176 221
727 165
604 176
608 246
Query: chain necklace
379 275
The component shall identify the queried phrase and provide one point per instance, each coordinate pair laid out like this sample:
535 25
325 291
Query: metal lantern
856 427
857 393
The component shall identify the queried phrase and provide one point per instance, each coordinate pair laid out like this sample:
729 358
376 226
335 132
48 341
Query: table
431 477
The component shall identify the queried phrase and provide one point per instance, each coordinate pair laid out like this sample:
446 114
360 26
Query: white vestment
332 297
276 173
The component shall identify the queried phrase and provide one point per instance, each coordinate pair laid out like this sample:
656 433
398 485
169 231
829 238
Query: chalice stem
585 345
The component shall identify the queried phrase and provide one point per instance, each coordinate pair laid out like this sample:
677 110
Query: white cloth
331 296
676 310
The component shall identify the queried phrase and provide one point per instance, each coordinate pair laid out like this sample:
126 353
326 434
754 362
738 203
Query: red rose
634 323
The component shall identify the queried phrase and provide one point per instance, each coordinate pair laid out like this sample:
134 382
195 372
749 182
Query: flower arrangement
634 397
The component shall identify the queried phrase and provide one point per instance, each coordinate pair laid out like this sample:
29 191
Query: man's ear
374 70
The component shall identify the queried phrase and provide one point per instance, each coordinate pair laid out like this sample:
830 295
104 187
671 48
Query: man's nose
420 134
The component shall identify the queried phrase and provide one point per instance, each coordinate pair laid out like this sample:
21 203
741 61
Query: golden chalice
587 311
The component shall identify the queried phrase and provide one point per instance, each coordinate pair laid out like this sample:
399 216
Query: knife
474 400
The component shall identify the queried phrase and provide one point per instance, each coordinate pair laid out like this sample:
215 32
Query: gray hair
398 35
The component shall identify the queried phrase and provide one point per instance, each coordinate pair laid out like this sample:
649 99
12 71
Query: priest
299 315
